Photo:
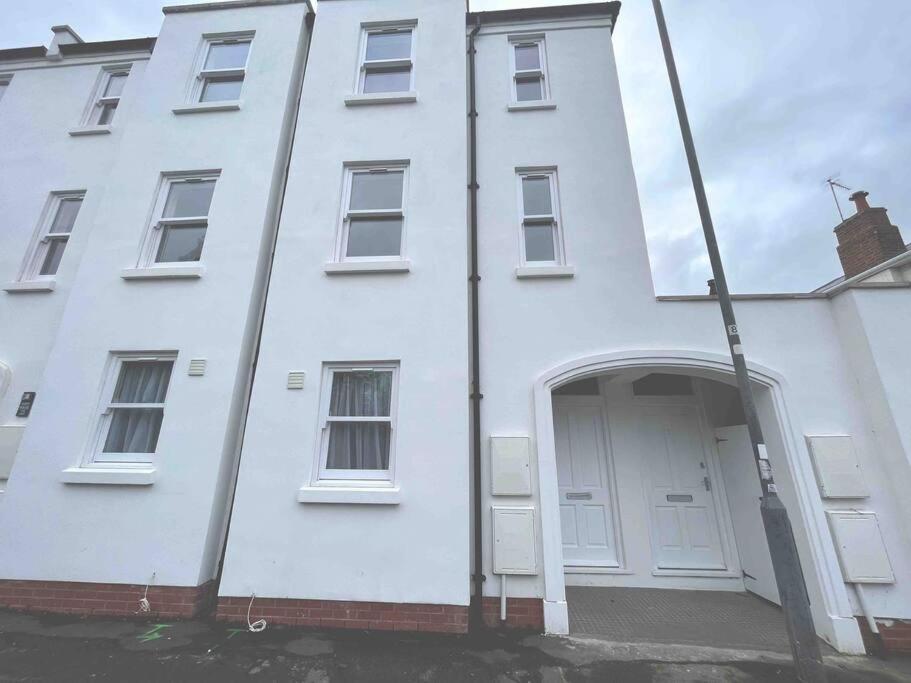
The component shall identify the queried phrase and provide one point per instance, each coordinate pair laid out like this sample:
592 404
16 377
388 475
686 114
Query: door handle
708 483
579 496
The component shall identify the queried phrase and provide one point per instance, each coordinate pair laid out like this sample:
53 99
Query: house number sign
25 404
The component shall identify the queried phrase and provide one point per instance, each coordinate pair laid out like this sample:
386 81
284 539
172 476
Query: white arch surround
834 619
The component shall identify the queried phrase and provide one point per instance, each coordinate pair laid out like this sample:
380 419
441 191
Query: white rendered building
456 332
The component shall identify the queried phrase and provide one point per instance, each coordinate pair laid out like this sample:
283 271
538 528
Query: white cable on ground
144 604
256 626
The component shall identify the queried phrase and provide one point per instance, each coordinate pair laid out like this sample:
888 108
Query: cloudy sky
781 95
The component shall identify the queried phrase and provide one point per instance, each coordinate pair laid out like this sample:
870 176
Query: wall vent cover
296 380
197 367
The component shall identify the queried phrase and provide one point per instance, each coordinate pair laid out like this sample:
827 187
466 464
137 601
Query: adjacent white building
281 281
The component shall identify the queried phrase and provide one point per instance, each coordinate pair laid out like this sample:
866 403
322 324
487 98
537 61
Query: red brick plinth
895 634
521 613
385 616
108 599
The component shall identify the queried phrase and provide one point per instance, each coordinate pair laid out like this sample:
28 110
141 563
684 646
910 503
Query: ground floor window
358 422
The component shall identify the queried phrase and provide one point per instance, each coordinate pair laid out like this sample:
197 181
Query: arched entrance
671 523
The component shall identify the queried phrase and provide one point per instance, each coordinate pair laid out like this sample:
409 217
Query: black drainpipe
476 611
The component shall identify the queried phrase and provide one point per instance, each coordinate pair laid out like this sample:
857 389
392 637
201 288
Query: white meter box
514 540
860 547
510 472
837 470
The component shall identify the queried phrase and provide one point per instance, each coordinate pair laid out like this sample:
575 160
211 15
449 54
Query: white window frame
37 251
201 74
92 115
346 213
515 74
94 455
5 80
363 66
152 239
549 172
322 476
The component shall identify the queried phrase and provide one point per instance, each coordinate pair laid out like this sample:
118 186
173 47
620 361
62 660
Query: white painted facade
65 518
830 363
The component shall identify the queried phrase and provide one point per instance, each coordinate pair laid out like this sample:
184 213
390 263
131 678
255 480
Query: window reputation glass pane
529 89
106 115
379 190
374 237
539 242
358 446
527 57
187 200
221 89
143 381
115 85
52 258
359 393
66 214
227 56
393 45
133 430
387 80
181 243
536 196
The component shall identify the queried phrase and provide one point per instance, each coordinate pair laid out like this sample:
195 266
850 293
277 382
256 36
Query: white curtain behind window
359 445
135 430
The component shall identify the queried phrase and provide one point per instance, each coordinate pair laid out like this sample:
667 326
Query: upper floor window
529 69
357 420
541 240
4 84
53 235
223 68
180 219
132 408
107 95
373 215
387 59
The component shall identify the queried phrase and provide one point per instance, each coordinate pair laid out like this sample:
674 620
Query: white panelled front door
583 478
741 481
684 526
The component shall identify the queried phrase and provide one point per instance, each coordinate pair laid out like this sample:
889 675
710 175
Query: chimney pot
860 200
713 291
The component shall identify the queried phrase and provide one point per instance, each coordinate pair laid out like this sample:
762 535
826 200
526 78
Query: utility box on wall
510 470
860 547
837 470
514 540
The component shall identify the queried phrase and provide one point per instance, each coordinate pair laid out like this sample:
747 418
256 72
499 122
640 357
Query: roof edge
231 4
127 45
592 9
32 52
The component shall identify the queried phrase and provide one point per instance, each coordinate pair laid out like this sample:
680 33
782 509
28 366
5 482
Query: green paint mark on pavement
234 632
153 633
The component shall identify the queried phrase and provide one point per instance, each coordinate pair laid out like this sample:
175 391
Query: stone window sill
531 106
30 286
529 272
203 107
90 130
367 495
350 267
381 98
163 272
117 476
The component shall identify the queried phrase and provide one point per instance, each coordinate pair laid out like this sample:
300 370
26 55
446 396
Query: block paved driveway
70 649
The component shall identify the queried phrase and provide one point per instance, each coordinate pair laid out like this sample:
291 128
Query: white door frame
832 612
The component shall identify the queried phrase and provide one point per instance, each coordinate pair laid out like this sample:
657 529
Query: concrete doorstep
56 648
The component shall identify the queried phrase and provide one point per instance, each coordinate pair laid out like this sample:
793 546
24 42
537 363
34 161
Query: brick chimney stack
867 238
